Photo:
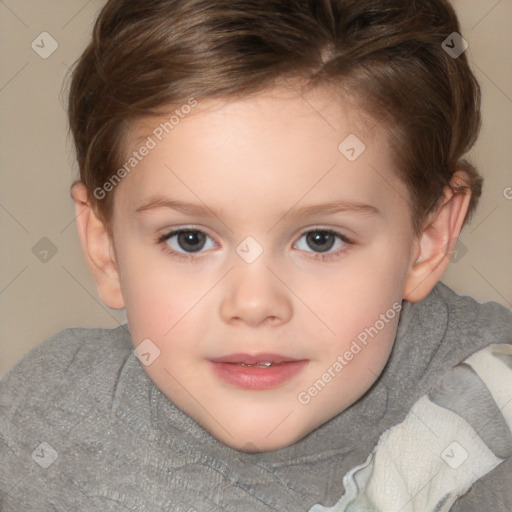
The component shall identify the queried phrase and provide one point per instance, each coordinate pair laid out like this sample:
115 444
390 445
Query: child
272 190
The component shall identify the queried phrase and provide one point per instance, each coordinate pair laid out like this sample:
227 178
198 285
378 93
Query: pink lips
230 369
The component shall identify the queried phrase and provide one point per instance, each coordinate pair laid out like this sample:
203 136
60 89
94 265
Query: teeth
265 364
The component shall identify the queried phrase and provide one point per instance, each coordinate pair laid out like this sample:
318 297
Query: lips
258 371
249 359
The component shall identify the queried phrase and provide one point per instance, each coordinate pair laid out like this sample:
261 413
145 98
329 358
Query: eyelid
185 227
335 231
170 232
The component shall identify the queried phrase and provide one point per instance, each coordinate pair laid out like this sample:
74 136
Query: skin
255 162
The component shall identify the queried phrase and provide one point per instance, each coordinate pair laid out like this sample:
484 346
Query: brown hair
147 55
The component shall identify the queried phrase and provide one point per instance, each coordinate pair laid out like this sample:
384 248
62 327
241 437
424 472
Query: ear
436 242
98 248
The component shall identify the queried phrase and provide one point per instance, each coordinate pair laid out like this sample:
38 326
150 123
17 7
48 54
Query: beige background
39 298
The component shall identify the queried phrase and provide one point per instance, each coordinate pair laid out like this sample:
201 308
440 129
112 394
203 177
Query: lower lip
254 377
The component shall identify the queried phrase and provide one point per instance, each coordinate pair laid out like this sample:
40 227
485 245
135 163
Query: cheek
361 288
351 301
158 296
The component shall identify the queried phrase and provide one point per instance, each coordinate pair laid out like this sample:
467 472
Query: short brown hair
388 54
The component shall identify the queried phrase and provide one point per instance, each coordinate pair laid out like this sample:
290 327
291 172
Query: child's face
211 296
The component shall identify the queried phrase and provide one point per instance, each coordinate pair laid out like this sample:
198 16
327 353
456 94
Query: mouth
259 371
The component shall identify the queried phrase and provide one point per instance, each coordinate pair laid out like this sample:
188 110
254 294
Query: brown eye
187 241
191 241
323 244
320 241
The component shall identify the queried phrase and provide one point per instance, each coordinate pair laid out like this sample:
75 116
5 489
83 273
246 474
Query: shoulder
464 309
55 405
66 360
462 319
438 333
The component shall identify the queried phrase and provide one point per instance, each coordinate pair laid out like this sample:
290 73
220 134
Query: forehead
280 144
284 104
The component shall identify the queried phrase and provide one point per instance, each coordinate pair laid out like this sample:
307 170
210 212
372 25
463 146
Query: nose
254 296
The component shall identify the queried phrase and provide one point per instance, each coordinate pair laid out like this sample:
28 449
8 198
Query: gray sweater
83 428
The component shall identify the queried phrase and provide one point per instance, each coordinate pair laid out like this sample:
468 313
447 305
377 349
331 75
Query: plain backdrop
45 284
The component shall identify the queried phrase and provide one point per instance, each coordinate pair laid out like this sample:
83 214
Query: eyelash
162 240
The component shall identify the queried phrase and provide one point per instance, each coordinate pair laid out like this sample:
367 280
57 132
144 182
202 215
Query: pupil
322 239
191 240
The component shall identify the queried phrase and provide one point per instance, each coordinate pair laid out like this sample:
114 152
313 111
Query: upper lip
255 358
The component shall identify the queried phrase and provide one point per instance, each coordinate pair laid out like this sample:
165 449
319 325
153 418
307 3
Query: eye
321 244
186 241
324 243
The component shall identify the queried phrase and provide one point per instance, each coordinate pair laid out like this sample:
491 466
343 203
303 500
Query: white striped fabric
433 457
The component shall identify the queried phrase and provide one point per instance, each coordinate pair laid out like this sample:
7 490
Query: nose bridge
253 293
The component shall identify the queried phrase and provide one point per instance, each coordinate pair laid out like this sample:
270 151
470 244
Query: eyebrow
199 210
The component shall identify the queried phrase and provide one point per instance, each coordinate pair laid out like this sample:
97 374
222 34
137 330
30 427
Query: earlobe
437 242
98 248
